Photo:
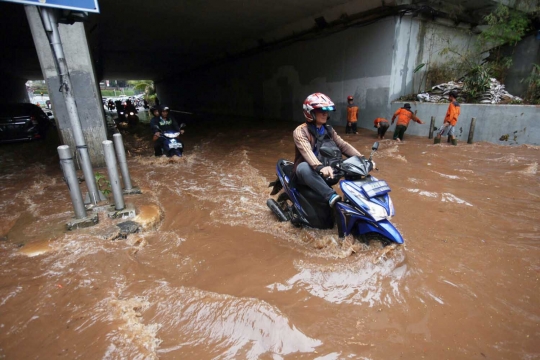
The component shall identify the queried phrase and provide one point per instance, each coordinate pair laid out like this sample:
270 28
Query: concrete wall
498 124
526 53
421 42
374 63
274 84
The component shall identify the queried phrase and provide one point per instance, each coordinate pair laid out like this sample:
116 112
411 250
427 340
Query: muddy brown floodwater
221 278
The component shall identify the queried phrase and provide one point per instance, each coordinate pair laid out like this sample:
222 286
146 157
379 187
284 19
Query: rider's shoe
334 199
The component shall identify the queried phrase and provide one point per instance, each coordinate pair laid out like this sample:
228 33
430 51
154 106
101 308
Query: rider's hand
158 134
327 172
181 132
373 165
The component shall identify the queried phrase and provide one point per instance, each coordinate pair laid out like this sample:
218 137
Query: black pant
382 129
399 132
158 147
351 129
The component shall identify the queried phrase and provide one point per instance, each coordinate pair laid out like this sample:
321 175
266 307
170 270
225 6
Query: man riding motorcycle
309 138
162 123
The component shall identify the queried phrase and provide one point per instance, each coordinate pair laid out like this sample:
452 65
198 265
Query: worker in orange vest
404 116
382 125
451 118
352 116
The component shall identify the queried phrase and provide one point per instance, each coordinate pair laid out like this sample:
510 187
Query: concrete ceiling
138 39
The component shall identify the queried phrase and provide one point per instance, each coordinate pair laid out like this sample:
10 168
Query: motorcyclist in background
130 107
160 124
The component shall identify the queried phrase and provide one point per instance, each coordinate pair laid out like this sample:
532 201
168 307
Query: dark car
22 121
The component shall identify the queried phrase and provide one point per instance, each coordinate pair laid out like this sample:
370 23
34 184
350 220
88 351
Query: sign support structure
50 24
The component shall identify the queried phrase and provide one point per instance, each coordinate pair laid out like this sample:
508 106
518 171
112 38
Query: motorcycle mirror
375 146
182 125
329 153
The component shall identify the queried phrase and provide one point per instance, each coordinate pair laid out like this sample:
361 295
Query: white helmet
317 101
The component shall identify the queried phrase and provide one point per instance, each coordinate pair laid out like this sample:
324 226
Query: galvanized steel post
68 167
121 153
110 160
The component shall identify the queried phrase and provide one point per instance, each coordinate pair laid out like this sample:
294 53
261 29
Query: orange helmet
317 101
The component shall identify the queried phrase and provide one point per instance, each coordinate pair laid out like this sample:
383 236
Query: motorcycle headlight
376 211
131 114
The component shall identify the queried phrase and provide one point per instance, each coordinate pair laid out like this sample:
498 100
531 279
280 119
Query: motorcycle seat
287 168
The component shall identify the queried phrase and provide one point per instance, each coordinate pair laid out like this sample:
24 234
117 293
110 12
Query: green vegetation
103 184
146 86
127 92
533 82
490 56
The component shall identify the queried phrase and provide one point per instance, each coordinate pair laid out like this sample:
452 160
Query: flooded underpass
220 278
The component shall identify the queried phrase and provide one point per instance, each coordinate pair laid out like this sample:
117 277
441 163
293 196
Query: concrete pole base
100 195
132 191
126 213
85 222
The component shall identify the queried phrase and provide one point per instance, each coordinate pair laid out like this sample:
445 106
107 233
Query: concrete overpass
258 58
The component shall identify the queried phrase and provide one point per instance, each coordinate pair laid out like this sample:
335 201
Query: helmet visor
327 108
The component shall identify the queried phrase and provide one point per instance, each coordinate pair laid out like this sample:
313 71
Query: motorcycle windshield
356 165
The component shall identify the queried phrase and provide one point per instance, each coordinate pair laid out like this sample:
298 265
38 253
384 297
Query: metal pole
51 28
471 131
431 126
121 153
110 160
68 167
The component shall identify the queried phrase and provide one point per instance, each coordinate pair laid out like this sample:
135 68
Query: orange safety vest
379 120
452 113
352 113
404 116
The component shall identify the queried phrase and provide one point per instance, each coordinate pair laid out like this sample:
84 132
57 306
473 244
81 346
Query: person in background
309 138
404 116
352 116
451 118
382 125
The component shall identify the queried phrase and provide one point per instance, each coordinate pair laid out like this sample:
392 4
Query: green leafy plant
503 26
477 81
103 184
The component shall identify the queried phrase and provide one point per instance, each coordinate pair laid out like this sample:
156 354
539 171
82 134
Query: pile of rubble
495 95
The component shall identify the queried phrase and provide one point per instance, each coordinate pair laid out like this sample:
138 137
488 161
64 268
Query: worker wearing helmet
309 138
352 116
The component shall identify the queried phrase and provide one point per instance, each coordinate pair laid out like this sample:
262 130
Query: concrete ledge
132 191
495 123
126 213
88 221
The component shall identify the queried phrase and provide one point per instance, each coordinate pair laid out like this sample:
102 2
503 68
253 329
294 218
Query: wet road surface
220 278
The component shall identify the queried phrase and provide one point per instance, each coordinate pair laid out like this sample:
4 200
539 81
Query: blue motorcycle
365 209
